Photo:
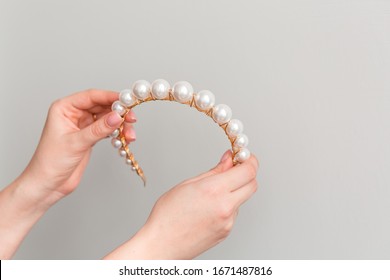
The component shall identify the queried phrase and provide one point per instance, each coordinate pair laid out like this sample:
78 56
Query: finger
224 164
129 132
99 129
130 117
242 194
238 176
89 118
101 114
98 109
90 98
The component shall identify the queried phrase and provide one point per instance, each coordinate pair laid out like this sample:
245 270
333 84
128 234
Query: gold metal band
170 97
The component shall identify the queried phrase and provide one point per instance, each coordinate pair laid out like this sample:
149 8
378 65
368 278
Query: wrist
20 209
144 245
30 197
27 197
35 187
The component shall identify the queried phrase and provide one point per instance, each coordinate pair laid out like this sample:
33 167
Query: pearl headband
182 92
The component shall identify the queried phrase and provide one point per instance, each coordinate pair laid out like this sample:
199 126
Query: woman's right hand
195 215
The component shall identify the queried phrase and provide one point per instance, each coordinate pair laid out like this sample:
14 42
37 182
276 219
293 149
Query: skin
190 218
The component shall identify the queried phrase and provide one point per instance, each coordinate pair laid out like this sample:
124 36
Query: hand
194 215
67 140
59 161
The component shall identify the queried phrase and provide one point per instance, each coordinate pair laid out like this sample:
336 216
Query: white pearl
160 89
182 91
133 168
122 152
234 128
115 133
241 141
141 89
204 99
118 107
127 98
222 113
116 143
128 161
242 155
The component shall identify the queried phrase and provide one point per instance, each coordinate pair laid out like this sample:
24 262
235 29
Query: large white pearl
204 99
234 128
127 98
222 113
115 133
141 89
116 143
118 107
241 141
182 91
242 155
160 89
128 161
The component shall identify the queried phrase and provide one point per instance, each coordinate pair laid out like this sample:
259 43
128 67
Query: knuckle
224 212
227 228
55 105
70 185
96 129
255 186
252 171
90 90
256 161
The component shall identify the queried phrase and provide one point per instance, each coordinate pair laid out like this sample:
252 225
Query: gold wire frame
170 97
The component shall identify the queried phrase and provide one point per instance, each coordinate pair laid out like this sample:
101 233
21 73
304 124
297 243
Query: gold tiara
182 92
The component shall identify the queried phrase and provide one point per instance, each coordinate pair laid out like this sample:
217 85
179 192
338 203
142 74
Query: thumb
224 164
99 129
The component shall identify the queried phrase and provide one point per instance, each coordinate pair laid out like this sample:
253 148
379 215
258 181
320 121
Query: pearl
234 128
182 91
128 161
127 98
122 152
133 168
241 141
242 155
118 107
115 133
204 99
116 143
222 113
160 89
141 89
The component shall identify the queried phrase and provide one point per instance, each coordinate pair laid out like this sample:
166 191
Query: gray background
309 80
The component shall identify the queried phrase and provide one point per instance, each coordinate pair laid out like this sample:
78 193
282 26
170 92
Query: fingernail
114 119
131 117
225 156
